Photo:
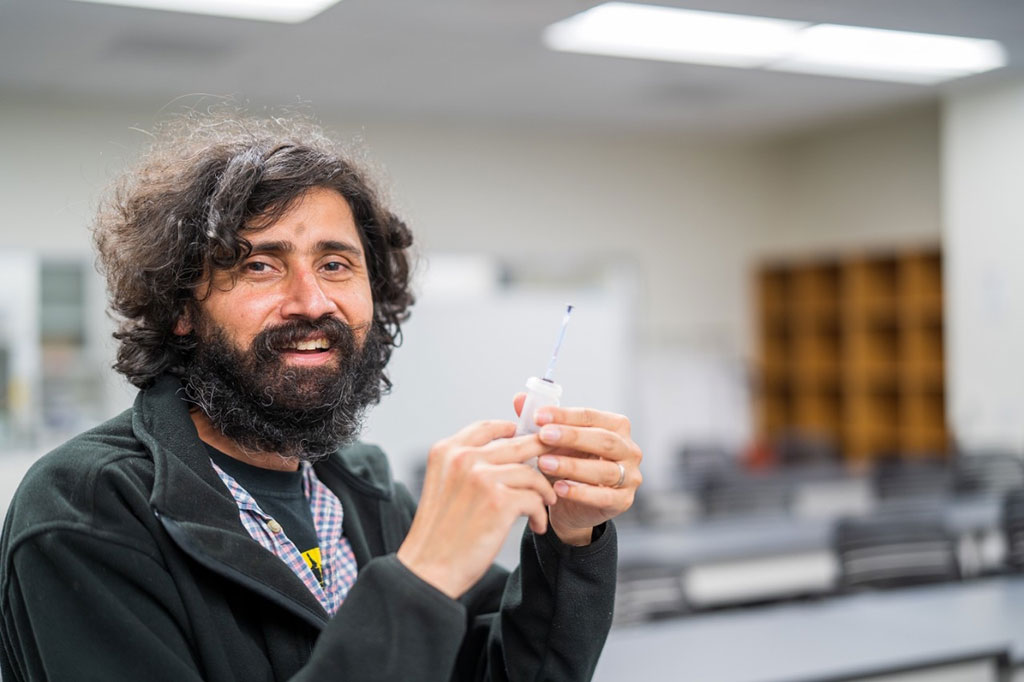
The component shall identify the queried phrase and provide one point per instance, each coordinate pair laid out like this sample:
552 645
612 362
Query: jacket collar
201 516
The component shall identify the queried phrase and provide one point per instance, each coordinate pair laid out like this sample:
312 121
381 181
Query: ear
183 325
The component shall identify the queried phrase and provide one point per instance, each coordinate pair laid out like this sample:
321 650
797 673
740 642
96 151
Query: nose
305 297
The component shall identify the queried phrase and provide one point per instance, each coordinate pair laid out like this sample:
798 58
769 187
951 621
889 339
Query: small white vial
539 393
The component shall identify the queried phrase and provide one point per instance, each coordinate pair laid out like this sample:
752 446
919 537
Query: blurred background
796 266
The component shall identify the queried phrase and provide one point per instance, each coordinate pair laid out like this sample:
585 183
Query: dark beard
263 405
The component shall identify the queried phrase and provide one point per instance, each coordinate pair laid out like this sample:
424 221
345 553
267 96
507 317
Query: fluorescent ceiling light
878 54
649 32
665 33
286 11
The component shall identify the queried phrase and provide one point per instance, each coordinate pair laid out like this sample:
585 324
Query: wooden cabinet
851 349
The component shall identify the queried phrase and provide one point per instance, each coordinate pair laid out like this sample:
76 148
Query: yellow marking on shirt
312 559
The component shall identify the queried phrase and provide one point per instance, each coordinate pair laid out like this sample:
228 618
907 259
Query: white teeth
312 344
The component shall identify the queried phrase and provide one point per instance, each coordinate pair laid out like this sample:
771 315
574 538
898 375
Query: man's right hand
475 488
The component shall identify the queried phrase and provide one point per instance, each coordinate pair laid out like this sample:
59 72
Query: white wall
872 183
679 211
983 177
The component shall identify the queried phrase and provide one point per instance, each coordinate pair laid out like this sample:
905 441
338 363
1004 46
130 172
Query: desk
737 560
745 537
841 637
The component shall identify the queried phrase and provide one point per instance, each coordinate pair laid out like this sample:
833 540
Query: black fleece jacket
123 558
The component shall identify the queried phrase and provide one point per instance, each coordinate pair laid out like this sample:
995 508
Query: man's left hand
595 468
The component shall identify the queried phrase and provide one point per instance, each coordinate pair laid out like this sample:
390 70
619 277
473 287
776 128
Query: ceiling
463 61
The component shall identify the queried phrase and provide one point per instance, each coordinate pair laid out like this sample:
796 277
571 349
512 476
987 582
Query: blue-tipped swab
549 375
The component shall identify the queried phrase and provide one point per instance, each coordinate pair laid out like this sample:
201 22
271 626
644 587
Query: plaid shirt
338 563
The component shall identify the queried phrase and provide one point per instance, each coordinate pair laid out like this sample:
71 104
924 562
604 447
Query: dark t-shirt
280 495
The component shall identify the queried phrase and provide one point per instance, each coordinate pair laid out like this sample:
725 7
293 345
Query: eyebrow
323 246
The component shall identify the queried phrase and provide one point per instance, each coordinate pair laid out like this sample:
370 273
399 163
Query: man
228 526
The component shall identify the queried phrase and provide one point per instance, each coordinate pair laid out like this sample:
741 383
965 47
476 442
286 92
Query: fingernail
550 434
561 488
548 463
543 417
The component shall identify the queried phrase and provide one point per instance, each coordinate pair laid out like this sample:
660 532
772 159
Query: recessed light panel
670 34
878 54
665 33
285 11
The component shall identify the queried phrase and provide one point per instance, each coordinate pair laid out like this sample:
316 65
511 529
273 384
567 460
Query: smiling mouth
308 346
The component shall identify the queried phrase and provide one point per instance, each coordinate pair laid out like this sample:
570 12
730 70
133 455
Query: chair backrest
907 479
895 550
746 495
993 473
700 462
648 592
1013 527
796 449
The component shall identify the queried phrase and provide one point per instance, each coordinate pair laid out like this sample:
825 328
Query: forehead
321 214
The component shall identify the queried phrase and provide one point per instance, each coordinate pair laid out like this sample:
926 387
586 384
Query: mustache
269 343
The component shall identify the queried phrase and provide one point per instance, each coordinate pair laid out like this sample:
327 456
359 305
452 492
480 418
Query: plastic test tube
541 392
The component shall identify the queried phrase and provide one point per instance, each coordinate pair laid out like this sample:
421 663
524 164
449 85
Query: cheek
240 315
359 302
357 307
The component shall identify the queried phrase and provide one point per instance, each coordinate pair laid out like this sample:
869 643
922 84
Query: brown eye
336 266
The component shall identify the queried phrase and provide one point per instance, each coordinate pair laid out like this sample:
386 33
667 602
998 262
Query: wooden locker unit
815 348
851 348
775 410
923 369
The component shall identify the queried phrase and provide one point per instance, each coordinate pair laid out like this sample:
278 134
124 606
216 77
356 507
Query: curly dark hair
179 215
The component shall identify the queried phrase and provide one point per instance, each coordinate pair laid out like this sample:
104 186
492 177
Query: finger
514 450
529 504
590 440
610 501
483 432
583 416
519 477
518 402
591 471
